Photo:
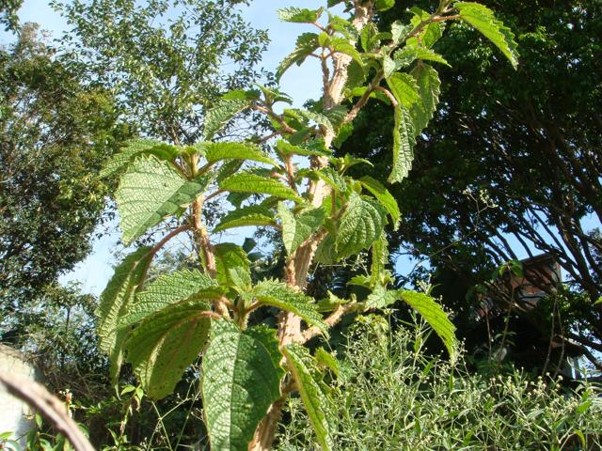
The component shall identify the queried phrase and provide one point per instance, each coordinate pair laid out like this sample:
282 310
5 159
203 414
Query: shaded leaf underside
149 191
240 381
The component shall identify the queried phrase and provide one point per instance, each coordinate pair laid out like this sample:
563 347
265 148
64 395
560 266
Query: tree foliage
510 165
166 61
8 14
56 133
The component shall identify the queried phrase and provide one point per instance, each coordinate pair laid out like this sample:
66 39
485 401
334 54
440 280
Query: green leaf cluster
241 379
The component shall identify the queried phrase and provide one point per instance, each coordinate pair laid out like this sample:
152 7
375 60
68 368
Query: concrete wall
14 413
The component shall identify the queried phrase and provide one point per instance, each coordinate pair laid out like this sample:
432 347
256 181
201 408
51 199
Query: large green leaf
135 148
432 312
381 297
404 89
278 294
247 182
227 169
326 253
115 301
296 228
483 20
429 85
389 66
148 192
314 399
342 45
233 267
403 144
299 15
241 379
379 275
285 148
383 5
326 360
385 198
361 225
168 289
430 33
330 176
320 119
254 215
166 343
219 116
236 151
367 36
306 44
409 54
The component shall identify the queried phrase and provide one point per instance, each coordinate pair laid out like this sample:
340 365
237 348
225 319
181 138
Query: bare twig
51 408
331 320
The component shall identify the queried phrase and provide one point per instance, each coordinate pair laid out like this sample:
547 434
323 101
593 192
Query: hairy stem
297 267
266 431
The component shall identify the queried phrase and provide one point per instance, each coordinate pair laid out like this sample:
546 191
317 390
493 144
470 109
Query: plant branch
157 247
389 95
332 320
51 408
278 118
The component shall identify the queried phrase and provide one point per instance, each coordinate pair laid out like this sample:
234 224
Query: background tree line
510 168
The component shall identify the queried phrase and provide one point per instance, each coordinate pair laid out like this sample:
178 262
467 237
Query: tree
8 14
167 60
511 162
323 214
55 136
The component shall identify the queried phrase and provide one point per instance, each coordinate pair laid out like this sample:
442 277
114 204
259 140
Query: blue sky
301 83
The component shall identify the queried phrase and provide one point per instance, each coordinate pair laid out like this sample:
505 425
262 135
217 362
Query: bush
390 395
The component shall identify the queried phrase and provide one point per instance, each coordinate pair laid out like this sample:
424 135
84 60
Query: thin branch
290 173
389 95
354 111
445 18
285 127
586 342
334 318
51 408
157 247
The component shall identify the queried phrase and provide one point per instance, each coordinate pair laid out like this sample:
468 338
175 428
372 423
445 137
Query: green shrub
390 396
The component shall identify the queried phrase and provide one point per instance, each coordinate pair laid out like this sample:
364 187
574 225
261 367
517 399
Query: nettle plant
322 214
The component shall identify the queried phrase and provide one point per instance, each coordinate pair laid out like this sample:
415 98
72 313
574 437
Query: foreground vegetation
391 395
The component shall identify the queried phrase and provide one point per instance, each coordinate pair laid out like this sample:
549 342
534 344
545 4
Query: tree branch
52 409
332 320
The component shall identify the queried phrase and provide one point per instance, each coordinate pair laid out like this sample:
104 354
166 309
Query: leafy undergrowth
390 395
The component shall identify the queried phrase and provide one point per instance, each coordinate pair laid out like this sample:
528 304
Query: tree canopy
511 163
166 61
56 132
8 14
